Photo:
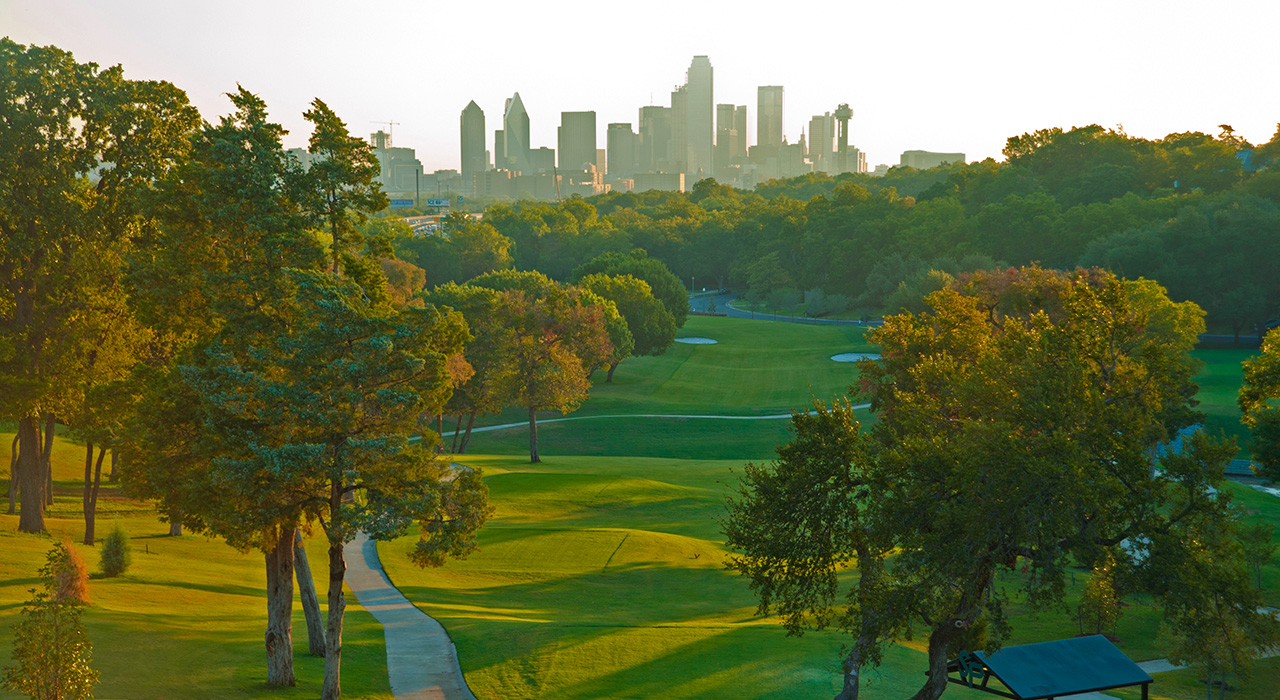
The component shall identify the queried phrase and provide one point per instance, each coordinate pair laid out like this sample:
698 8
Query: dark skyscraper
699 110
577 140
474 157
655 139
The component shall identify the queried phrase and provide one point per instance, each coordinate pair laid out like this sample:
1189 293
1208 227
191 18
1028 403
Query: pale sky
931 75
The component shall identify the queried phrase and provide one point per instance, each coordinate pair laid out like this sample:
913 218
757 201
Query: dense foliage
1198 213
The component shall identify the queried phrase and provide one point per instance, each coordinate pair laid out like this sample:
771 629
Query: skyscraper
474 157
769 116
515 131
621 141
680 155
822 139
700 109
726 136
576 140
655 139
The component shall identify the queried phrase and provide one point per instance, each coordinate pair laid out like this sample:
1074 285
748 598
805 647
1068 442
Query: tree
79 147
559 333
490 351
231 224
333 403
666 287
1257 400
1015 417
341 184
799 521
51 651
651 327
1099 608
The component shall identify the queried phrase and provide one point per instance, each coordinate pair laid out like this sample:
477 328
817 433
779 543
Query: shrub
70 574
51 651
116 552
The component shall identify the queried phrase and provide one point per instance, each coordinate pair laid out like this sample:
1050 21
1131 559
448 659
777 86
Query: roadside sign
437 202
401 203
459 199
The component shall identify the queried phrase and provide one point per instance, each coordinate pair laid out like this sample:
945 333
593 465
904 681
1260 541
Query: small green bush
116 552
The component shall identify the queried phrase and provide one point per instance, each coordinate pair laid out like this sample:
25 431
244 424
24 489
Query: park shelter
1049 669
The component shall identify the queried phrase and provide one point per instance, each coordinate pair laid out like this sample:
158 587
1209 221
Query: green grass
1219 385
187 619
1188 685
603 577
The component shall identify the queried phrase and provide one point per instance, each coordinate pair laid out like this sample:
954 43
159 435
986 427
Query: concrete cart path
421 659
544 421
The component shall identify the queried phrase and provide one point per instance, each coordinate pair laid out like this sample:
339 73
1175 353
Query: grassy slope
187 619
601 575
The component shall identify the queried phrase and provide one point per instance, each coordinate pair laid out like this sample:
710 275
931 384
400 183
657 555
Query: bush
51 651
70 574
116 552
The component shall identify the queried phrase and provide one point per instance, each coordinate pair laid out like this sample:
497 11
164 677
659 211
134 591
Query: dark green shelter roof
1063 667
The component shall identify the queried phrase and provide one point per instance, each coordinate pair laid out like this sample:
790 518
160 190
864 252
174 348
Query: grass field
602 573
187 619
602 576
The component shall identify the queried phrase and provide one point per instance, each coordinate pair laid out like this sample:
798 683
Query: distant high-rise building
622 157
726 136
577 140
500 150
700 109
923 160
515 129
602 161
621 143
769 116
740 125
654 150
680 154
541 160
400 170
474 157
843 163
822 139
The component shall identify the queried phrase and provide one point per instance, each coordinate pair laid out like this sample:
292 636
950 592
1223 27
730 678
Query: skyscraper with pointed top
515 133
475 159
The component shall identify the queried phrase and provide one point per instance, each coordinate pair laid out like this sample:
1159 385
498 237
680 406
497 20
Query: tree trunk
939 640
13 475
175 526
89 500
852 667
310 602
31 488
533 437
279 637
114 474
46 457
332 689
457 428
608 379
466 437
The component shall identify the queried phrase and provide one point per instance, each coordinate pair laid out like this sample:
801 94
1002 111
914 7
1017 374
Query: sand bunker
696 340
855 356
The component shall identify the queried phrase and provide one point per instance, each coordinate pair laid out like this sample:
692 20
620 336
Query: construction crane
391 127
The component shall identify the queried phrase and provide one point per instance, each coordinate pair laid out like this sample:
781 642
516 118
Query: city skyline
933 76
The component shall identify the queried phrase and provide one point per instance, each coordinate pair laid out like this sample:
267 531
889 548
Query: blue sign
401 203
437 202
459 199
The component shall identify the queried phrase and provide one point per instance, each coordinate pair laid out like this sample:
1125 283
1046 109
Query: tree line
1196 212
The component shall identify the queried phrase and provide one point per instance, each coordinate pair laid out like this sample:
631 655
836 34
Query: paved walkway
421 659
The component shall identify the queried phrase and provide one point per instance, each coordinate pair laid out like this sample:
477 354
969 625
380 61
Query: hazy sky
942 76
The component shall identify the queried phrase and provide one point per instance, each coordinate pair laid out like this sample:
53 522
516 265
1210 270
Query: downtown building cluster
670 148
